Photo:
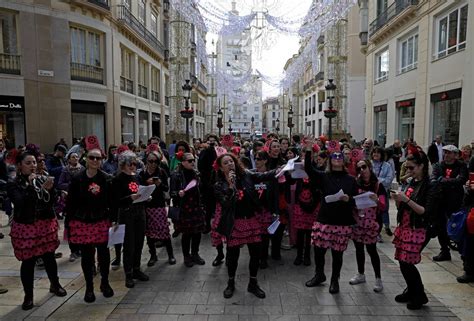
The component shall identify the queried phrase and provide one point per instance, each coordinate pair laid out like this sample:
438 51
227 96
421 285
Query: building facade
419 70
271 113
69 69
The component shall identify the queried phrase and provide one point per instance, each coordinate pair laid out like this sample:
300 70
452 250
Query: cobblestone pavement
181 293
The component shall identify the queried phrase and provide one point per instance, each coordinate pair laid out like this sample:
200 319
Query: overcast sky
278 47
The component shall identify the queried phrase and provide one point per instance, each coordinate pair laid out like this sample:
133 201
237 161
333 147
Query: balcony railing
89 73
167 101
309 84
142 91
202 86
10 64
155 96
394 10
101 3
126 85
125 16
319 76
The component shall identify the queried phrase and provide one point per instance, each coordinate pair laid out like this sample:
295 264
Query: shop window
128 124
12 119
143 126
380 133
88 118
406 119
447 115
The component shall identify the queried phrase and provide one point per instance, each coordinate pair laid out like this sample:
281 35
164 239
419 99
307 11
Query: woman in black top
235 192
124 211
415 207
157 225
87 218
34 230
191 221
332 229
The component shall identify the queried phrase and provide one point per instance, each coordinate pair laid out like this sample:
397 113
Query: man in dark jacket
396 153
206 160
435 151
451 174
55 163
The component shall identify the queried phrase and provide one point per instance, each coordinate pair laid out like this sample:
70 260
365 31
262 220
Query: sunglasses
337 156
132 164
153 161
361 168
94 158
410 167
190 160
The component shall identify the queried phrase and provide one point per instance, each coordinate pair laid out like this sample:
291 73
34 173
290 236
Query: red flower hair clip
121 149
152 148
240 195
179 156
227 140
357 155
333 146
316 148
215 166
133 187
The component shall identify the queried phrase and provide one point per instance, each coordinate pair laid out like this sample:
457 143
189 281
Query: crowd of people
239 192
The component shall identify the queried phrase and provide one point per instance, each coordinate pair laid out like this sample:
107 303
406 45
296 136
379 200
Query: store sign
11 106
11 103
378 109
45 73
406 103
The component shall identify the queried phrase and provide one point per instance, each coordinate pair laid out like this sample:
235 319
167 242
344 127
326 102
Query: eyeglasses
94 158
190 160
410 167
361 168
150 161
337 156
132 164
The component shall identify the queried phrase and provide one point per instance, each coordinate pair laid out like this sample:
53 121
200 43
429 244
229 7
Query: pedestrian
157 225
467 244
110 166
333 226
415 206
435 150
34 230
132 215
88 219
191 221
55 163
396 152
368 223
181 147
235 192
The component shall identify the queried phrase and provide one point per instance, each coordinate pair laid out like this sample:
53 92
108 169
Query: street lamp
290 119
219 120
330 112
277 123
230 125
187 112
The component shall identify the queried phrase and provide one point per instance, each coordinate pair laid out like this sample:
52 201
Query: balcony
102 6
142 91
101 3
155 96
309 84
201 86
89 73
319 76
127 18
167 101
126 85
10 64
396 14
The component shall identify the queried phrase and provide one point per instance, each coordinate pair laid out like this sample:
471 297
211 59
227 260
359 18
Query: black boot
169 250
334 287
417 301
106 289
27 302
153 260
129 283
197 259
465 278
57 289
403 297
444 255
318 278
89 297
298 260
218 260
229 290
139 275
255 289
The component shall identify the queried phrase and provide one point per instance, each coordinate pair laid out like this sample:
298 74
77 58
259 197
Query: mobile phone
156 178
393 191
471 178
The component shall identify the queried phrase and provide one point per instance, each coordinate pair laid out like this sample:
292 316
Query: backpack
457 225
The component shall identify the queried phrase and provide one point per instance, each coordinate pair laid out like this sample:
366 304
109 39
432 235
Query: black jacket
433 153
451 187
158 196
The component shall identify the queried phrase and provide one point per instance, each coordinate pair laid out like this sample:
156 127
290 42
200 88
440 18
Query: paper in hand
191 184
144 192
116 237
273 227
364 201
334 197
288 167
299 171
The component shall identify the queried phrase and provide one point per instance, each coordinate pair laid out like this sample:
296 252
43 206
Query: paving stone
181 309
162 317
210 309
238 309
268 310
153 308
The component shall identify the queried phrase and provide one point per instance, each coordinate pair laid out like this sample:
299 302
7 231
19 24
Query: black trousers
88 262
443 237
276 241
264 247
75 248
190 242
27 272
233 254
152 247
135 222
303 243
412 278
319 260
468 254
210 206
374 257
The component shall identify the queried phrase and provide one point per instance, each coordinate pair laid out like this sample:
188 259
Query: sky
271 57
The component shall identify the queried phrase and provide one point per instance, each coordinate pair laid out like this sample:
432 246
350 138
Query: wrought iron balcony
10 64
142 91
391 12
126 17
89 73
155 96
309 84
126 85
319 76
101 3
201 86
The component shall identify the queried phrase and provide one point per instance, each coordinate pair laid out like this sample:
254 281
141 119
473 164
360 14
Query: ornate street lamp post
330 112
277 123
230 126
290 119
219 121
187 112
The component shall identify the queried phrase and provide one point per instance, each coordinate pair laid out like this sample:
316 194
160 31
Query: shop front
88 118
380 117
446 115
156 125
406 119
128 124
12 119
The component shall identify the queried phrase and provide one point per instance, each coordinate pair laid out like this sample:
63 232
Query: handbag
173 213
456 225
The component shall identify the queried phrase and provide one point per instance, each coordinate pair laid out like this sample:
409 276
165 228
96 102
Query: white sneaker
357 279
378 287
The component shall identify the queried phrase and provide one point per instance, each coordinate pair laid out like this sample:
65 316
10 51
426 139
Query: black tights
303 242
27 271
264 247
412 278
152 247
88 262
190 241
233 254
319 260
374 257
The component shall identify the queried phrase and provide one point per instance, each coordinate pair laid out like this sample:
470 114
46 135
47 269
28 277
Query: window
309 106
381 6
142 126
154 24
320 107
126 82
406 119
127 4
273 114
306 107
128 124
409 53
451 32
380 124
381 67
314 104
8 33
85 47
141 11
320 127
155 84
447 115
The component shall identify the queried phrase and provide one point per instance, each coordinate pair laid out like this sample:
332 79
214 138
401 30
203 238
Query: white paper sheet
191 184
288 167
334 197
273 227
299 171
364 201
117 236
144 192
